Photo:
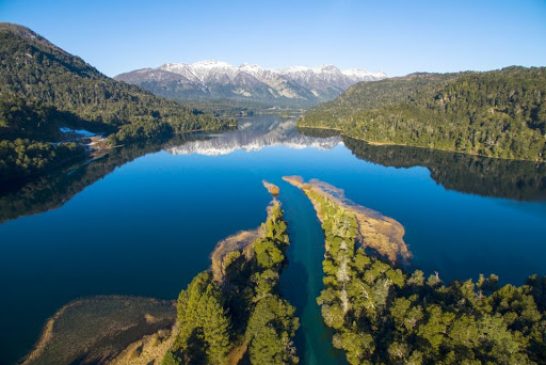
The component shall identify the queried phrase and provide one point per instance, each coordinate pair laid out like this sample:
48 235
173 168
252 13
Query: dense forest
234 313
383 315
497 114
43 88
28 143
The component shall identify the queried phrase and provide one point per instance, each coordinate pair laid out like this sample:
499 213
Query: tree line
498 114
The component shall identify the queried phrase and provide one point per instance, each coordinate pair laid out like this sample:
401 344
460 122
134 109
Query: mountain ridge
215 80
45 91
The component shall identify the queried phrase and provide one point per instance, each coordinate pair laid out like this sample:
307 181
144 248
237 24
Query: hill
45 91
498 113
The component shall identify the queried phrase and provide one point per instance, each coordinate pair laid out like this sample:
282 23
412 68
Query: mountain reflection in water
143 219
521 180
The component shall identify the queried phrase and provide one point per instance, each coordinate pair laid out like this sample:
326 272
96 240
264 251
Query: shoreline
124 320
374 229
377 143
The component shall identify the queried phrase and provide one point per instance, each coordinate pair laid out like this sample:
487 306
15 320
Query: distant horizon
278 69
317 66
397 38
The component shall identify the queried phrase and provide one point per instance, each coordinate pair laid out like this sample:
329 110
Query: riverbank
374 230
301 281
341 133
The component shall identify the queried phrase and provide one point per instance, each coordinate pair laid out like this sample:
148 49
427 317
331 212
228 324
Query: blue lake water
144 221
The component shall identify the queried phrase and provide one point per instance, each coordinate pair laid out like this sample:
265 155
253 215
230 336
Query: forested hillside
43 88
497 114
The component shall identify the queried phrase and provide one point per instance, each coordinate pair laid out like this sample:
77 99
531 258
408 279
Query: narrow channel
301 280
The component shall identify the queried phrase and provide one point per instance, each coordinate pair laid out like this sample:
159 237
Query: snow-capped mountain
298 85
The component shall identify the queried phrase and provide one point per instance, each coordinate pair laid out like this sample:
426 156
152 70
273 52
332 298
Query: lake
143 220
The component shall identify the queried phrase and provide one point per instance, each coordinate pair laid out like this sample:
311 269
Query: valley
220 212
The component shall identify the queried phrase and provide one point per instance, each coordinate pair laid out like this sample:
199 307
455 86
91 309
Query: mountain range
216 80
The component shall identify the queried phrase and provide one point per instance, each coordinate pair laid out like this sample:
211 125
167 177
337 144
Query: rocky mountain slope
215 80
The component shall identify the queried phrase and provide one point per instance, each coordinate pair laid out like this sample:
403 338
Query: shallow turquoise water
301 281
148 226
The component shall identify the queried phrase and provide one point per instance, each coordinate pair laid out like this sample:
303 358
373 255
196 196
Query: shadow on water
520 180
301 281
53 190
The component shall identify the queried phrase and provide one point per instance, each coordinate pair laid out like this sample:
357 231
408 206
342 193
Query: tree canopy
242 317
496 114
382 314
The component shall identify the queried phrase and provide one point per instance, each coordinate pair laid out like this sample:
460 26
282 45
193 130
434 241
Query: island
381 309
234 313
378 232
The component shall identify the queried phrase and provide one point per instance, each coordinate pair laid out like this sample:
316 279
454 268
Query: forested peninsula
234 314
382 314
229 314
381 310
45 91
499 114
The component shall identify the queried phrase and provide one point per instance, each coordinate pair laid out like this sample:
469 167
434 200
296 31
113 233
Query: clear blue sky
396 37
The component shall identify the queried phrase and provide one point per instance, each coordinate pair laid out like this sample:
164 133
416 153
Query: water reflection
520 180
149 227
255 134
52 191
